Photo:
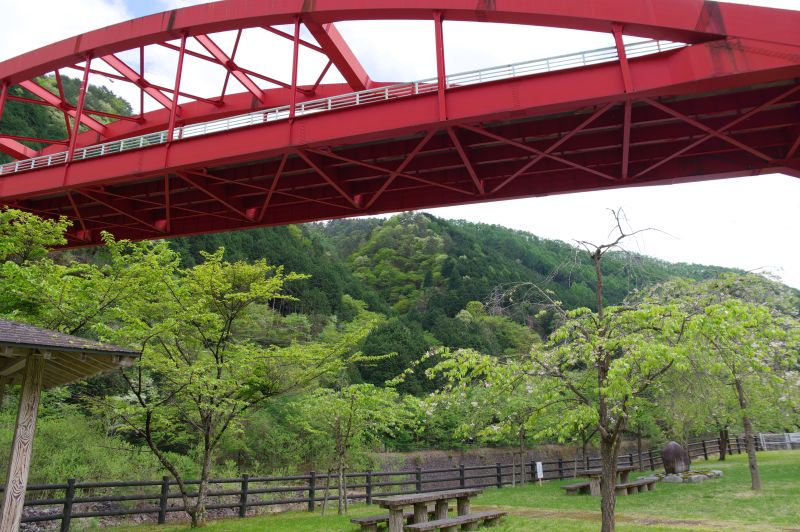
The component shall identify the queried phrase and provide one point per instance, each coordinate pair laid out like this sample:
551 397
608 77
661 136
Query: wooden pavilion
40 358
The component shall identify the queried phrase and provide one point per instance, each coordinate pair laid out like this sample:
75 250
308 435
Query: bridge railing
342 101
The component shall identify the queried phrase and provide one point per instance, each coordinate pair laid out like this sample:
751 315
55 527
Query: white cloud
32 24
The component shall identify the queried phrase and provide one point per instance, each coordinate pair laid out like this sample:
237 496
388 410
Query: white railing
390 92
777 442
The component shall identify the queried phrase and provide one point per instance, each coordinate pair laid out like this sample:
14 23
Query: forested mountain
423 272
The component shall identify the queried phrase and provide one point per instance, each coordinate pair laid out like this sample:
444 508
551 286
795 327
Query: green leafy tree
745 335
195 373
348 419
608 360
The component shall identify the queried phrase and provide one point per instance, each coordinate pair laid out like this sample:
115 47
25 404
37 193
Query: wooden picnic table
596 473
396 503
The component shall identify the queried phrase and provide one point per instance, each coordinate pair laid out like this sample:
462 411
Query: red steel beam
465 159
689 21
3 97
402 166
726 127
230 66
291 38
553 146
228 71
710 131
273 186
676 73
118 209
173 112
626 139
55 101
295 60
327 178
218 197
441 72
337 49
137 79
79 116
61 94
15 149
396 173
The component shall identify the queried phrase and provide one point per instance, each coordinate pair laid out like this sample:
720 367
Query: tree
25 237
347 419
607 360
745 335
195 373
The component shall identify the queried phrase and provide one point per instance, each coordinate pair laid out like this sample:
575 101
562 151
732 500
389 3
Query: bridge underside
606 145
725 107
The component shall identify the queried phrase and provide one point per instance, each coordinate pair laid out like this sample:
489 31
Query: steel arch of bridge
727 104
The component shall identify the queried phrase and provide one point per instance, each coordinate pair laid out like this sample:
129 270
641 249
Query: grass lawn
719 504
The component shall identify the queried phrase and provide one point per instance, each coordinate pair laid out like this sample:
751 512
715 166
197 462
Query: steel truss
727 104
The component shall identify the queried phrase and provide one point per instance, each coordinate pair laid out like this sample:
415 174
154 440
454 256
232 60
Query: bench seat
577 487
370 523
636 486
451 524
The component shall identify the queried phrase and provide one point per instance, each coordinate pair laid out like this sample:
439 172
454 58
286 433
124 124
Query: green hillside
423 271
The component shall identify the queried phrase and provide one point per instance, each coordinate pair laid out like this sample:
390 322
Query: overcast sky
750 223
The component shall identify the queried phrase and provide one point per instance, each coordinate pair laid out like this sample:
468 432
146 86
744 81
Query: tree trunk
340 490
723 443
327 490
639 448
199 513
608 482
513 469
750 444
755 476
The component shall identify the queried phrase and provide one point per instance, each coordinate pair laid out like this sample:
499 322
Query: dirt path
689 524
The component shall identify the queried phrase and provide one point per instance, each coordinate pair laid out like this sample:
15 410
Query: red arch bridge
710 90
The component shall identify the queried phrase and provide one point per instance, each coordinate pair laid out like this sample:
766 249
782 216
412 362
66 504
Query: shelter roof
68 358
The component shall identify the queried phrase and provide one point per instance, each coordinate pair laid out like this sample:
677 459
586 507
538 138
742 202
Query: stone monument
675 458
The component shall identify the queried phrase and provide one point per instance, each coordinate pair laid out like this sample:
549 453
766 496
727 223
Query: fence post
533 471
738 446
312 489
587 462
243 496
162 503
652 464
499 469
560 468
462 479
369 486
67 512
418 479
705 451
630 459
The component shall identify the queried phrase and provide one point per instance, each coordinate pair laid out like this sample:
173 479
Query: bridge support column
441 75
76 124
173 112
3 96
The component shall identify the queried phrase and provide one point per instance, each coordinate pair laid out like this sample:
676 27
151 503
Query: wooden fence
80 500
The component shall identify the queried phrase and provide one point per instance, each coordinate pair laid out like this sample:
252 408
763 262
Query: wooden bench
370 523
578 487
470 522
636 486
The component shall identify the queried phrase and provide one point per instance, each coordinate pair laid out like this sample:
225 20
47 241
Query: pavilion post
3 384
20 459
